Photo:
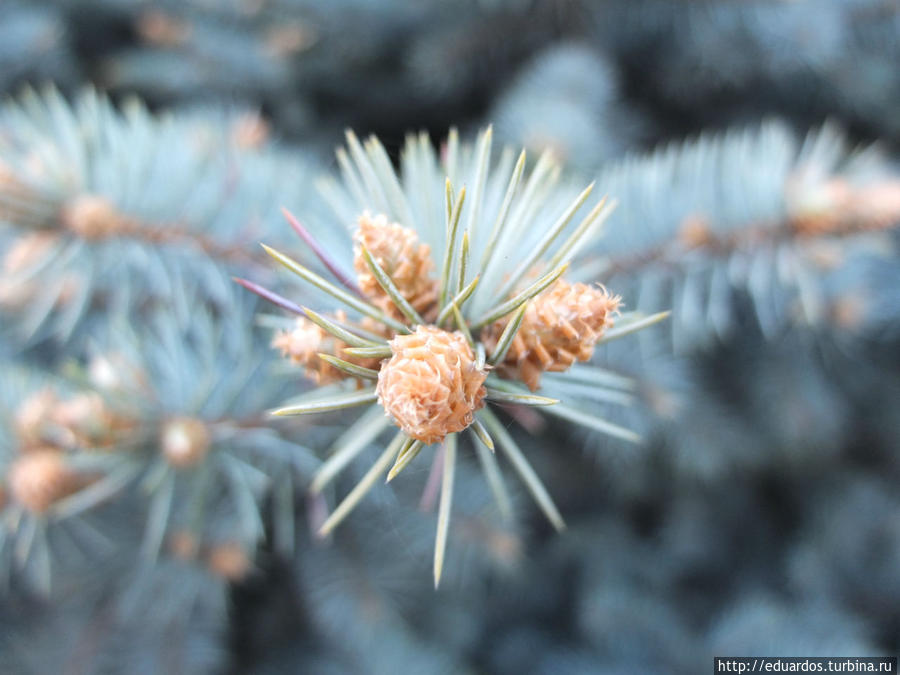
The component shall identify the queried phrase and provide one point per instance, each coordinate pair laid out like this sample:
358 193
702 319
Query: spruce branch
430 381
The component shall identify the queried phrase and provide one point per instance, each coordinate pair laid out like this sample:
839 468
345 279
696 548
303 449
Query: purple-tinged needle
320 252
272 297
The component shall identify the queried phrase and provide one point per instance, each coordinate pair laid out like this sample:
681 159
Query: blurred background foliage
752 148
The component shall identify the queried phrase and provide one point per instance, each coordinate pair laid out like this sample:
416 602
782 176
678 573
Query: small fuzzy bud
183 545
40 478
306 340
695 232
27 251
431 386
84 420
162 30
185 442
290 38
302 344
229 560
33 418
837 206
87 422
92 217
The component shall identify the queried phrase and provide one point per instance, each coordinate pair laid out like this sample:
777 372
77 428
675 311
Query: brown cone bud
695 232
92 217
837 206
33 418
162 30
185 442
83 420
290 38
183 545
302 345
431 386
86 421
229 560
40 478
307 340
560 326
28 250
407 262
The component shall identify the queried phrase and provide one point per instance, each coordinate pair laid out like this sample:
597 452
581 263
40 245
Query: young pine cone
560 326
40 478
407 262
32 421
303 344
83 420
430 386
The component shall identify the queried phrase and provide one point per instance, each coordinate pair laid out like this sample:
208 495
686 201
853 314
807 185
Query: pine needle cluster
442 337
